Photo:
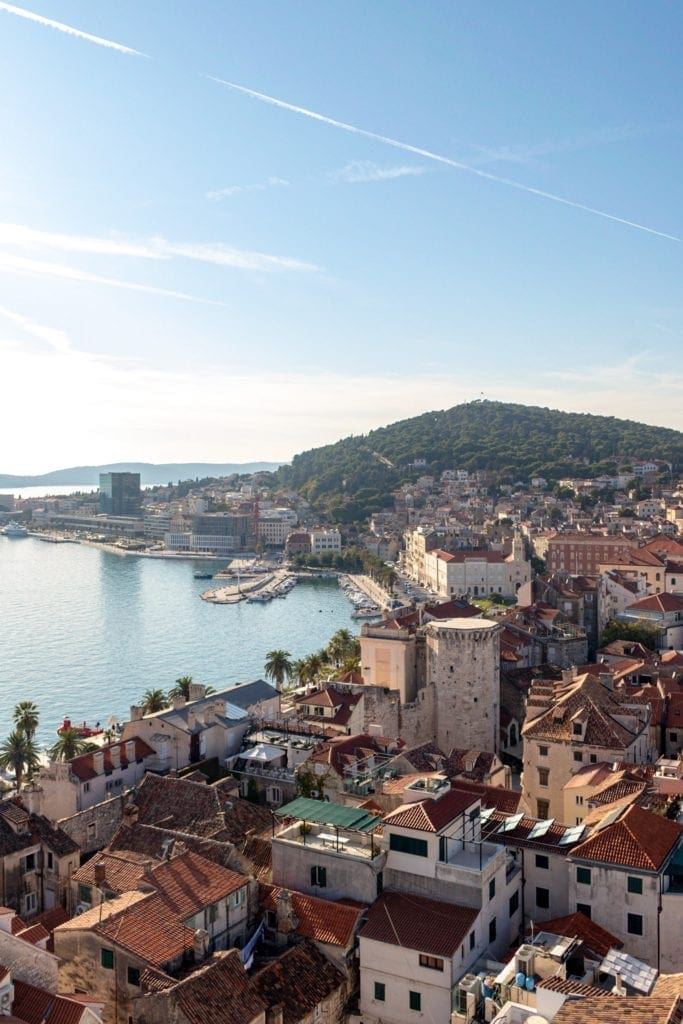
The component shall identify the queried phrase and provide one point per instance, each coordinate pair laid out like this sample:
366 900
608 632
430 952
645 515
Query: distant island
150 473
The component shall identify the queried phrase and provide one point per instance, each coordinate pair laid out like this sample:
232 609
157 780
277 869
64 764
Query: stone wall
29 963
93 828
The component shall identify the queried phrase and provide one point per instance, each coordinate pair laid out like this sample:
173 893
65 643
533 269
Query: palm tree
69 745
153 700
314 665
26 717
339 645
278 667
182 688
19 753
299 671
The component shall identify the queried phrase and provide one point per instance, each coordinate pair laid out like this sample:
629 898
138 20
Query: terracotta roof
415 922
434 814
639 839
505 800
83 766
572 988
198 809
658 603
298 981
218 993
635 1010
122 871
150 924
37 1006
519 836
587 700
35 933
598 940
324 921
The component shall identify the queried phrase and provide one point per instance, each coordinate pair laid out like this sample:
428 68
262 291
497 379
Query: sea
83 632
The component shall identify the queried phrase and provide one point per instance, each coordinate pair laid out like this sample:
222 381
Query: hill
150 473
514 441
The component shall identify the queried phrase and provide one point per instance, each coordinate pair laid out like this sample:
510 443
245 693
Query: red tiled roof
578 926
36 1006
298 981
639 839
505 800
594 1009
122 871
434 814
324 921
83 766
658 603
34 934
415 922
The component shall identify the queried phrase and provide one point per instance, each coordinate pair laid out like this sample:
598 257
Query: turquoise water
83 632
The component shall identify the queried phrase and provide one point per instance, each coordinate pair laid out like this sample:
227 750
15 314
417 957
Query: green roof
321 812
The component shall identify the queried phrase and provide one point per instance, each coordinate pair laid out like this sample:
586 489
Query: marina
111 628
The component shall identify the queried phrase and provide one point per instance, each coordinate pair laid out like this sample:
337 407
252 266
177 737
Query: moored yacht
14 530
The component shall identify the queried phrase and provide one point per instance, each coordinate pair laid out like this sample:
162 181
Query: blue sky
190 272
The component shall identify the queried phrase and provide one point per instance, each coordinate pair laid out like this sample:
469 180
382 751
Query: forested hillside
515 441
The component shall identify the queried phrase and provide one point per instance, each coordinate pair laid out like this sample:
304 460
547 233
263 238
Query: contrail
70 31
429 155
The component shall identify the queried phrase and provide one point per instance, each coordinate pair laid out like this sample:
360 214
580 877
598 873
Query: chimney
115 755
284 913
98 761
136 713
130 750
197 691
200 944
130 813
275 1015
177 703
100 873
618 989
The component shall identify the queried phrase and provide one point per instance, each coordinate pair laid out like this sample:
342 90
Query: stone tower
463 666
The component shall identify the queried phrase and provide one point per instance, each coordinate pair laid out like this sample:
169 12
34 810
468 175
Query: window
474 813
593 758
380 883
543 898
542 808
29 862
578 756
543 751
134 976
50 861
319 876
30 903
443 854
107 958
542 861
380 991
435 963
577 729
543 776
86 787
634 924
213 913
584 908
84 894
406 844
492 888
583 876
673 737
472 939
414 1000
635 885
492 930
514 902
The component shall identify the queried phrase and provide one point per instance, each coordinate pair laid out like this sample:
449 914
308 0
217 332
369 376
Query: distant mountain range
150 473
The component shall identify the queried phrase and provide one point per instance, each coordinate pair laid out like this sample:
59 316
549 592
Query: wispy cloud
69 29
437 157
52 336
155 248
42 268
233 190
367 170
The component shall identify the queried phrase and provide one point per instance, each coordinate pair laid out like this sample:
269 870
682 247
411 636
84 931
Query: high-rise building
120 494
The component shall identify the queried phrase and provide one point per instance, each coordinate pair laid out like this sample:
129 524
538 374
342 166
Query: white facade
325 540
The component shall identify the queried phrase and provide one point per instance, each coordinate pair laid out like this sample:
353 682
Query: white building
323 540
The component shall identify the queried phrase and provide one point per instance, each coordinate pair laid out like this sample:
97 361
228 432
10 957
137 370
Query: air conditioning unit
524 959
470 983
82 908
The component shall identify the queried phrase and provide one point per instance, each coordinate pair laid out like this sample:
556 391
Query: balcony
467 858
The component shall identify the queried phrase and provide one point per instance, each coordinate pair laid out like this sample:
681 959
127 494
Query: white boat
15 530
259 598
366 612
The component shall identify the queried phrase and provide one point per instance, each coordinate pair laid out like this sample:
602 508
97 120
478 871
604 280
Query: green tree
20 754
153 700
69 745
278 667
640 631
299 672
309 783
314 666
26 717
182 688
